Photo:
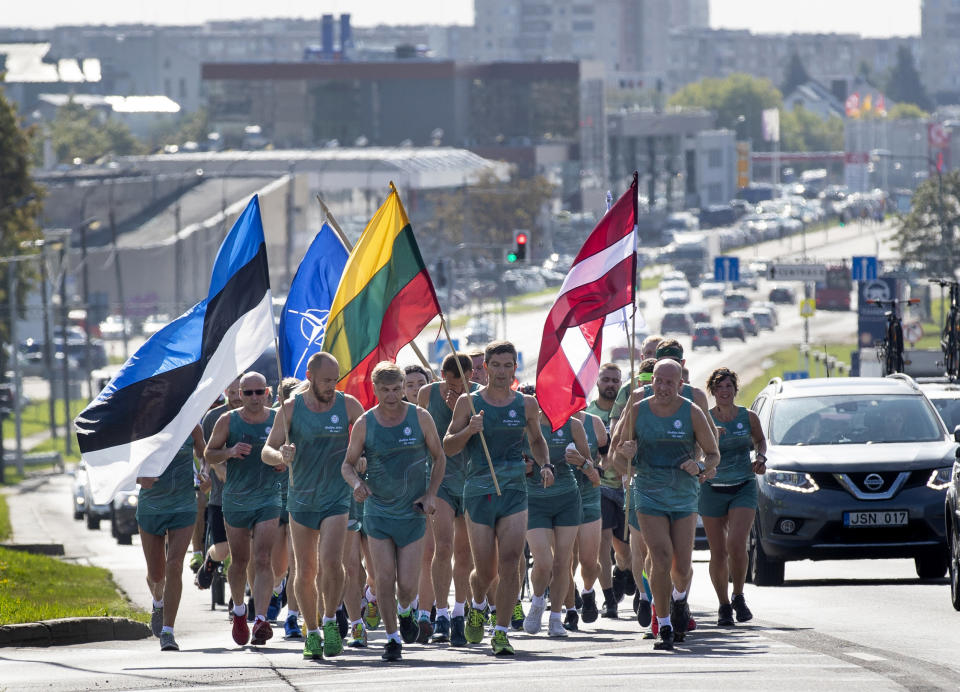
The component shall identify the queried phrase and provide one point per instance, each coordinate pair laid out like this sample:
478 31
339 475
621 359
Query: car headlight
131 500
940 478
81 499
792 480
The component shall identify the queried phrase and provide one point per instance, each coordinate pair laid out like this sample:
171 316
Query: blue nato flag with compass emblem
304 317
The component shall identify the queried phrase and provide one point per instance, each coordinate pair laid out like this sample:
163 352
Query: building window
715 158
583 26
183 88
715 193
582 9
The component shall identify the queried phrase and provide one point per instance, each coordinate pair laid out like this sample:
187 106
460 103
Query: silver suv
856 468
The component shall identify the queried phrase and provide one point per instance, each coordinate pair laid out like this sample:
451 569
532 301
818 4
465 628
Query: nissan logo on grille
873 482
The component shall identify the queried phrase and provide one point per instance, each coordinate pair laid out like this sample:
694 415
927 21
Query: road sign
808 307
726 268
864 268
797 272
796 375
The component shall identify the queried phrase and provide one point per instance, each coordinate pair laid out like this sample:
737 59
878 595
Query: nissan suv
856 468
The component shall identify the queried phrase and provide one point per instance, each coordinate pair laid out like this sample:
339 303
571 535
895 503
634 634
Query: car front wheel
954 537
762 570
931 565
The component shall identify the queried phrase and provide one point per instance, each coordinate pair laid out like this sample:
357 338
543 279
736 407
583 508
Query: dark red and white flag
601 281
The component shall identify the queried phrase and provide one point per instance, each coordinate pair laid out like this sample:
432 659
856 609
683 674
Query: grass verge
787 360
6 531
35 417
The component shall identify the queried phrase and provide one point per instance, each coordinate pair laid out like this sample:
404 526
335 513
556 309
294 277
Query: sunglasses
252 392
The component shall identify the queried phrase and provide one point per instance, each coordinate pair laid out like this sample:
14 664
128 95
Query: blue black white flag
138 422
304 318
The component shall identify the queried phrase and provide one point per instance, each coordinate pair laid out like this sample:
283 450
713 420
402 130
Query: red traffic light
521 238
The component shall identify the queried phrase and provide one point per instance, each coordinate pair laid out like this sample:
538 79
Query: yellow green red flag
385 298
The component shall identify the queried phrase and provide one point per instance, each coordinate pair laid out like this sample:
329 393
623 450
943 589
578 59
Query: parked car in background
123 515
712 289
114 327
706 335
748 279
698 313
153 324
479 331
783 295
749 324
676 322
732 328
83 498
951 512
763 318
675 297
735 302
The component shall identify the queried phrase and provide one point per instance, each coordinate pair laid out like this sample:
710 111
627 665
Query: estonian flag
137 423
304 317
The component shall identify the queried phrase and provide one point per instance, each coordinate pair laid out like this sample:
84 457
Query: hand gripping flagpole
347 244
473 410
632 342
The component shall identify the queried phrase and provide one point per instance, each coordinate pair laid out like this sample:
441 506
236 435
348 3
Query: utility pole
87 346
15 361
47 344
68 442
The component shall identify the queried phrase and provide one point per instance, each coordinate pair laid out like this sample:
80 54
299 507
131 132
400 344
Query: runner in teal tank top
666 430
449 523
396 438
728 502
166 512
251 502
497 523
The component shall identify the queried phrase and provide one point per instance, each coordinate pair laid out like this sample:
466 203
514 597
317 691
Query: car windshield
853 419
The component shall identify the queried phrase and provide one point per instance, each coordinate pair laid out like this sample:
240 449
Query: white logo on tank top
334 419
512 413
677 424
407 431
739 426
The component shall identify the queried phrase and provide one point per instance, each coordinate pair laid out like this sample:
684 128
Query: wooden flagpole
632 341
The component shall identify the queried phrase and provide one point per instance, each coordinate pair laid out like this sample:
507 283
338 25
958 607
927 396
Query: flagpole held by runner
347 244
473 410
633 342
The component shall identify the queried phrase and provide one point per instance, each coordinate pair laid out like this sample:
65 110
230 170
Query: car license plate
889 517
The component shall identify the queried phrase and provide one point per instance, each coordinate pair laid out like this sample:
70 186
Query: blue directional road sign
864 268
726 268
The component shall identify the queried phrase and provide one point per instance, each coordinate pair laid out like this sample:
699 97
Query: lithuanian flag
385 298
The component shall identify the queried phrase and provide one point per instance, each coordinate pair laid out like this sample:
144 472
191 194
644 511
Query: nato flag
304 317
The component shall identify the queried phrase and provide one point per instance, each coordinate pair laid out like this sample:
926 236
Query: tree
803 130
907 111
928 234
737 96
795 76
78 133
903 82
20 206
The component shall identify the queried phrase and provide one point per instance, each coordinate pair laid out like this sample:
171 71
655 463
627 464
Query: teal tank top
250 483
173 491
503 429
663 443
396 466
456 471
735 444
316 484
564 480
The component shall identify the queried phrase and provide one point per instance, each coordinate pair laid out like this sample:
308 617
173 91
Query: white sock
277 589
294 613
493 609
586 591
326 620
404 609
679 595
443 613
369 595
478 606
259 618
354 623
395 636
538 601
572 609
643 595
416 603
166 629
240 609
158 604
316 631
555 614
664 622
459 609
423 614
501 628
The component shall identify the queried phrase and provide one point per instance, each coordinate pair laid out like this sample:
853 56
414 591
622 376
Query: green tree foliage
803 130
730 98
907 111
903 82
78 133
20 206
489 211
796 75
189 127
928 234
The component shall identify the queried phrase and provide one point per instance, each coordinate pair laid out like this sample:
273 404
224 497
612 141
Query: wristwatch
587 465
701 466
762 458
548 465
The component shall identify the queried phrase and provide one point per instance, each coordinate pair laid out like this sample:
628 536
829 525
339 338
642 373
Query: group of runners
360 517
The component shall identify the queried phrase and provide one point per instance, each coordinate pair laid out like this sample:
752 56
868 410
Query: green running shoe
372 616
313 647
516 621
493 619
501 645
473 630
332 643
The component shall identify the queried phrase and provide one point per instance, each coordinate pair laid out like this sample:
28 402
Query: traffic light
521 249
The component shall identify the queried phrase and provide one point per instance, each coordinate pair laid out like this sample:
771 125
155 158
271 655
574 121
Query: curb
51 549
72 631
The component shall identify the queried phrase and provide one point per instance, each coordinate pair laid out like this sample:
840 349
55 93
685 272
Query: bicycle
950 336
890 351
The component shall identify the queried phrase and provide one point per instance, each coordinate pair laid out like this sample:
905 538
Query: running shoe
332 641
273 610
534 620
492 620
372 616
156 621
679 616
691 624
167 642
636 602
409 629
358 639
206 572
261 633
441 630
739 604
516 620
501 645
433 613
654 624
291 628
196 561
555 628
644 613
313 646
457 635
577 598
342 622
571 622
473 631
629 584
609 608
392 651
241 630
426 629
589 610
665 642
619 582
725 616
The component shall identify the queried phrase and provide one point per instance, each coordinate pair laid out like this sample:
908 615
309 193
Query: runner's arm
349 467
462 427
217 452
273 453
435 448
759 443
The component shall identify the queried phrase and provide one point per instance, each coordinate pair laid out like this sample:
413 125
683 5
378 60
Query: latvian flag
600 281
138 422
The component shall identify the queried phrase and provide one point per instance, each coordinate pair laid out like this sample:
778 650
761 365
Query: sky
865 17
